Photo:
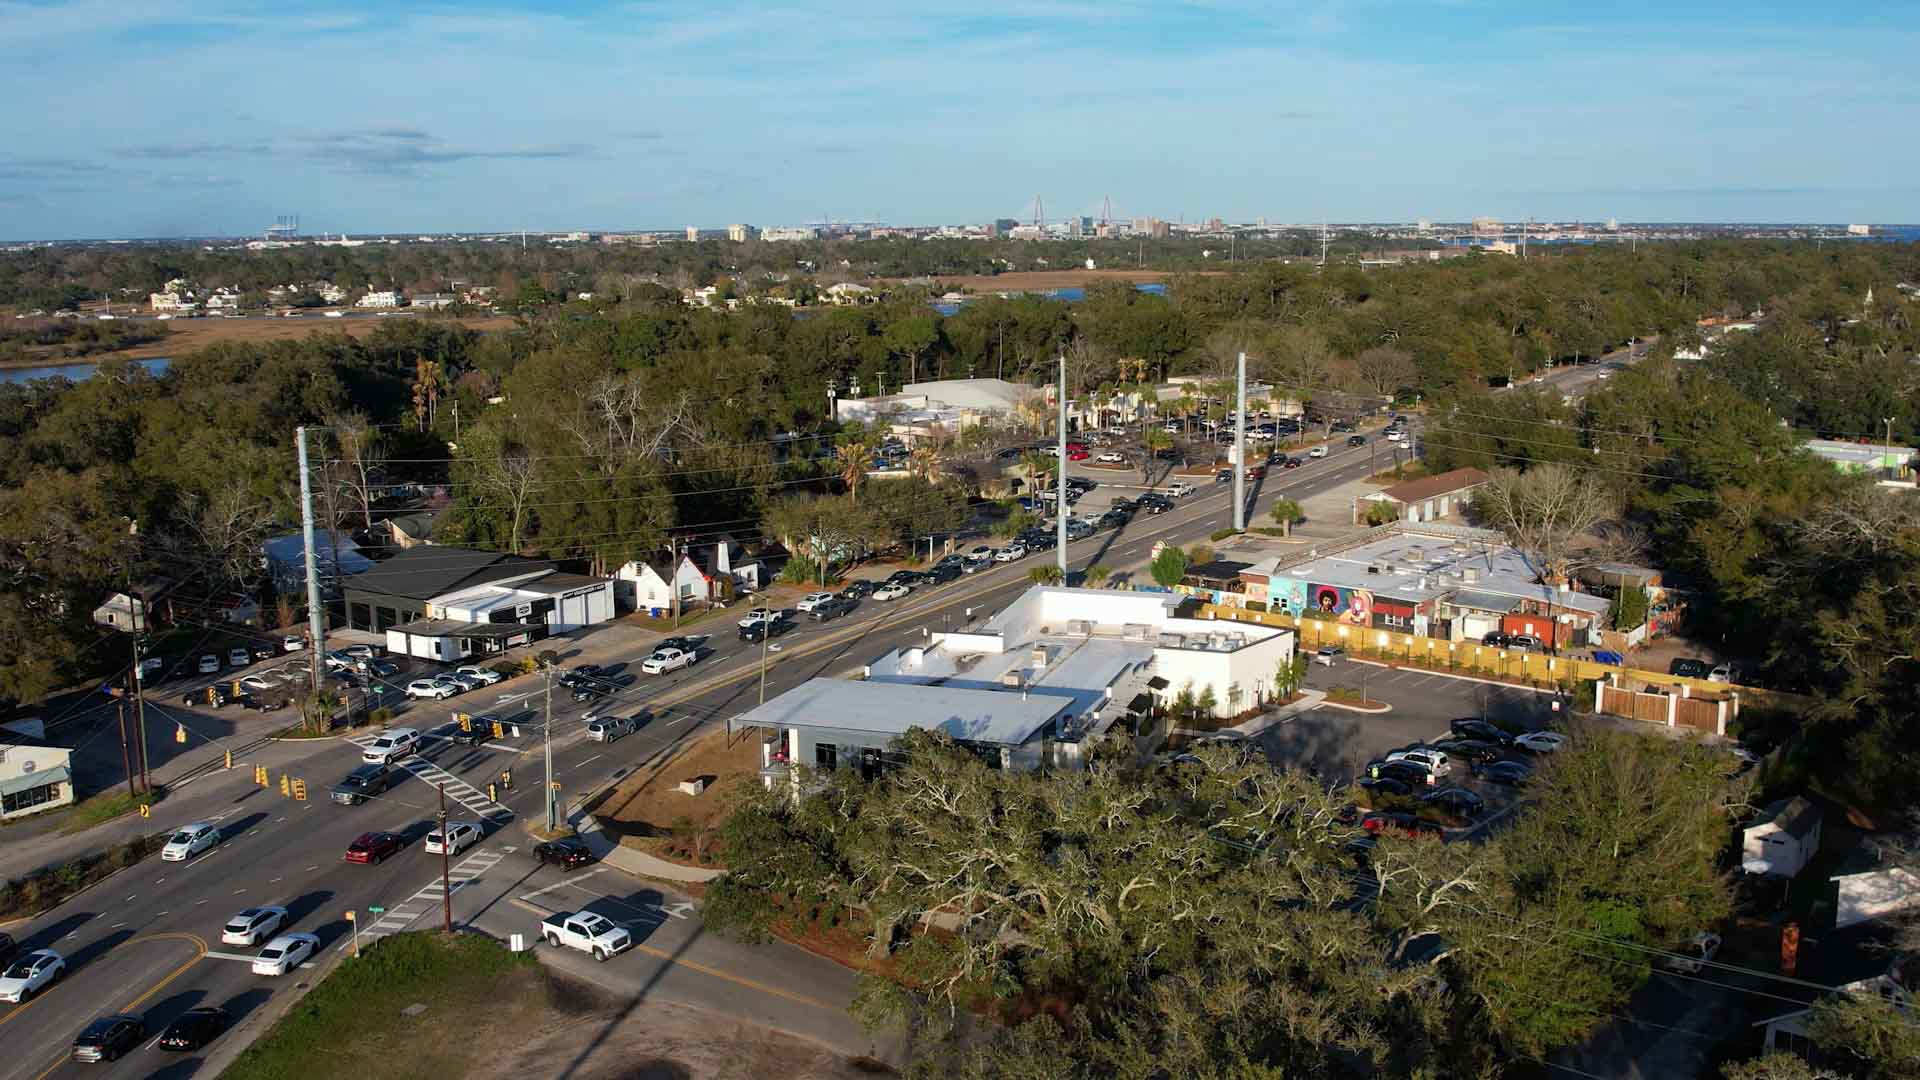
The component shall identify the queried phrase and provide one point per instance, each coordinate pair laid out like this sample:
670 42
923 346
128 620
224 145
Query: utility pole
673 578
766 635
1240 448
1060 495
126 762
546 740
1887 464
316 616
446 894
137 615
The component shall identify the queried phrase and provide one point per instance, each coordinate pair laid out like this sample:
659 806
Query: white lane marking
227 956
237 892
594 758
562 884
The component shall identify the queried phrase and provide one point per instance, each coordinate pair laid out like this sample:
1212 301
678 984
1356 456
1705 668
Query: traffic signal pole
446 895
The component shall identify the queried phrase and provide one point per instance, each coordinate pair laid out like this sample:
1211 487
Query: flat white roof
1416 567
1004 717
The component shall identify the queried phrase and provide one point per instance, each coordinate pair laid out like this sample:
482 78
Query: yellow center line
739 980
200 951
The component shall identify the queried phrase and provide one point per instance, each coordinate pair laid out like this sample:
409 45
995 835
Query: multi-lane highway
147 940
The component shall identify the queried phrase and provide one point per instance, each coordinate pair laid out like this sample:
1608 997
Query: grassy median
354 1023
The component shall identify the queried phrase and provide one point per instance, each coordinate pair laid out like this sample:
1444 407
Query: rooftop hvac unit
1014 680
1373 569
1415 554
1039 656
1172 641
1135 631
1080 628
1387 568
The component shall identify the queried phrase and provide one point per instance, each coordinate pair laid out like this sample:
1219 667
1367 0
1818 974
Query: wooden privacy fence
1518 665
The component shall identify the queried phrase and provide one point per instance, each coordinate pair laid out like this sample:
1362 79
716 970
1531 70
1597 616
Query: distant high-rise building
739 234
1425 225
1486 225
1613 225
1859 230
1005 225
693 234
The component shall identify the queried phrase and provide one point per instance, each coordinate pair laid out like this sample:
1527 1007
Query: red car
1255 472
1400 825
1077 455
373 847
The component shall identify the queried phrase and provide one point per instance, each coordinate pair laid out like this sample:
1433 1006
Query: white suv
432 688
1180 490
392 743
190 840
812 600
1434 761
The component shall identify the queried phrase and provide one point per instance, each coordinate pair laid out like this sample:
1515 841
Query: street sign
376 909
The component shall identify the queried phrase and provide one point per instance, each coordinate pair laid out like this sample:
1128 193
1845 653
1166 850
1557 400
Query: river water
76 371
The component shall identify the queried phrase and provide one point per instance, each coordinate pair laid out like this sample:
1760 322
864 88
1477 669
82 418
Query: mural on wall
1287 595
1351 606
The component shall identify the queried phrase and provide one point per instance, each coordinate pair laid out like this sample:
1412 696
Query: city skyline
644 116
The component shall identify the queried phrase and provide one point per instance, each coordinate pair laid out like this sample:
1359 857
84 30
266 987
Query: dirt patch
588 1038
188 335
649 811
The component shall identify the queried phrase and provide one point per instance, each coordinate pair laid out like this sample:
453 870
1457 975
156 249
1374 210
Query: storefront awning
59 774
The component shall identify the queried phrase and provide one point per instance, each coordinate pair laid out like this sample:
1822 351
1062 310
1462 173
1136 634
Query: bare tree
1562 519
1382 370
360 454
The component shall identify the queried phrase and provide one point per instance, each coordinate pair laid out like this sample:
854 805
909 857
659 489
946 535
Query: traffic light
300 790
260 776
498 731
179 733
285 787
466 722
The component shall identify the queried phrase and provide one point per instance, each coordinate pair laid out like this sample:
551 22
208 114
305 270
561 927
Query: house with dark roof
1429 498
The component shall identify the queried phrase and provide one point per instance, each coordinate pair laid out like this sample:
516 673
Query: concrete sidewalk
1310 699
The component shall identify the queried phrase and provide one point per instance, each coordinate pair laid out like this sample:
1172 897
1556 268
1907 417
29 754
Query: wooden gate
1698 713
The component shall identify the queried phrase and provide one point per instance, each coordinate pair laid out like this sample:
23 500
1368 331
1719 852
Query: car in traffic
665 660
980 555
608 729
1113 519
365 782
252 925
486 675
1112 457
771 628
109 1037
293 643
455 838
567 853
808 601
1507 773
374 847
890 592
832 609
391 744
678 641
1011 552
285 953
435 689
190 840
195 1028
1541 742
1180 490
1318 451
945 570
1078 455
1154 504
31 973
580 674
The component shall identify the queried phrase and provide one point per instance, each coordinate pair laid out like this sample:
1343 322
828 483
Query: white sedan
1010 553
249 926
666 660
812 600
487 676
431 688
1318 451
890 592
292 643
260 684
1541 742
30 974
1112 458
209 664
190 840
459 836
285 953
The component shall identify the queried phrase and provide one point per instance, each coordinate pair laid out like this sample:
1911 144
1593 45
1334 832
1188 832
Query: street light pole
446 895
766 633
1060 495
546 739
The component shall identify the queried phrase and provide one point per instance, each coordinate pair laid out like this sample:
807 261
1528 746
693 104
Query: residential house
34 776
133 611
847 292
435 300
414 527
706 573
388 298
1783 840
223 301
336 555
1429 498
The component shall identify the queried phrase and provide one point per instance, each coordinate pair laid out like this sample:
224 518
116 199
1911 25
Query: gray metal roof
430 570
1003 717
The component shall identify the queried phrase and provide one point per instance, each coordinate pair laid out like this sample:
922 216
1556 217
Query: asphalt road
147 940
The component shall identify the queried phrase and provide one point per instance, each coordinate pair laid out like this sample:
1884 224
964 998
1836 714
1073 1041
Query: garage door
1479 626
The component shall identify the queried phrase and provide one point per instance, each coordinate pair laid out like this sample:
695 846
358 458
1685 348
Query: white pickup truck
587 932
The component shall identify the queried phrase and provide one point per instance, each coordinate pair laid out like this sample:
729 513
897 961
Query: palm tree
1285 512
1044 575
925 462
1040 465
1096 575
1186 404
854 459
1156 440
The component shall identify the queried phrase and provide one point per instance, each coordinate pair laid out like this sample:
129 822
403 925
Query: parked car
1430 758
434 689
942 572
260 684
1541 742
487 676
1414 776
190 840
1385 786
285 953
457 837
390 744
567 854
609 728
808 601
1509 773
1472 727
832 609
209 664
981 555
1011 552
109 1037
465 680
1329 655
374 847
1496 639
195 1028
1399 824
665 660
250 926
1471 751
1721 673
890 592
31 973
365 782
1459 802
1689 668
238 656
1524 641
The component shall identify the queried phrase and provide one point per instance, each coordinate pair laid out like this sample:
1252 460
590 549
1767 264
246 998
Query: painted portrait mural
1287 595
1351 606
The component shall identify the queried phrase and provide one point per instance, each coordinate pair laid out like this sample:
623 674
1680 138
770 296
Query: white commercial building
952 404
386 299
33 778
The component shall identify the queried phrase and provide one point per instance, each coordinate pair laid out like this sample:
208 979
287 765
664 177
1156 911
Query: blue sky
193 117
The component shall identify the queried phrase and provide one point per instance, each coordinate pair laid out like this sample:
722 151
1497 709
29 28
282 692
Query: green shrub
1221 534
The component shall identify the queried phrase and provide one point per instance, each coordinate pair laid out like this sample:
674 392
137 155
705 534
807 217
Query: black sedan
684 644
764 629
108 1037
1510 773
195 1028
567 854
1459 802
1473 750
857 590
1404 771
1479 730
